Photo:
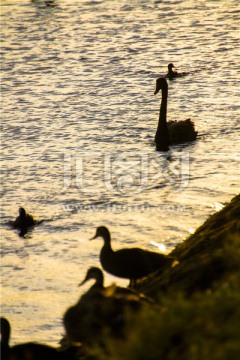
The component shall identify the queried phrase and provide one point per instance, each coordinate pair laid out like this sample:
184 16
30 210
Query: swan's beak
158 87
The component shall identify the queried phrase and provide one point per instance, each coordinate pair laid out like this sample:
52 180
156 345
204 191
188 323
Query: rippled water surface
78 122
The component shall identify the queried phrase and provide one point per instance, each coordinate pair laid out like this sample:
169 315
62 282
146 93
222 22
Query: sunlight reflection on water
78 125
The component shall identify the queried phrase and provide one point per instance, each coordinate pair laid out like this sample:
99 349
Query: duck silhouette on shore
172 132
27 351
129 263
82 321
98 309
95 273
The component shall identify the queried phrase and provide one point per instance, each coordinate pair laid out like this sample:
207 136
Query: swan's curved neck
163 107
162 136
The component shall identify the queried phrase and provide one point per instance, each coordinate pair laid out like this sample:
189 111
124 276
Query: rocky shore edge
196 313
202 256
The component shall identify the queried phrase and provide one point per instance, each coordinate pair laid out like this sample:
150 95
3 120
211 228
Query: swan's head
93 273
170 66
161 83
22 212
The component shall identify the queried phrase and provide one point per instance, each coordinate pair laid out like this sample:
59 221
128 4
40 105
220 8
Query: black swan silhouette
173 132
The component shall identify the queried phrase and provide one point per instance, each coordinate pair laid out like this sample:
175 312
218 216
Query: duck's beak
94 237
83 282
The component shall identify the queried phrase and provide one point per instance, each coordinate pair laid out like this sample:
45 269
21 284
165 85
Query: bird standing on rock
112 290
98 309
129 263
82 321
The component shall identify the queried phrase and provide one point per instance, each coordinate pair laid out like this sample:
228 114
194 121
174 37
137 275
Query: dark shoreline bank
197 313
201 256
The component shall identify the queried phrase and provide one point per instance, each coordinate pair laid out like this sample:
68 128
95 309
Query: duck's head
161 83
22 212
170 66
101 231
93 273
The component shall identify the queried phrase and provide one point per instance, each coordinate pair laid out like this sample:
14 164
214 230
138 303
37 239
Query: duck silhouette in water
171 74
174 74
27 351
129 263
24 220
173 132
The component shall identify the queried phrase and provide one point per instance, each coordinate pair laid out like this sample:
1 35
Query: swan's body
129 263
174 132
30 350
